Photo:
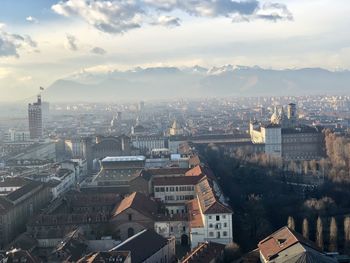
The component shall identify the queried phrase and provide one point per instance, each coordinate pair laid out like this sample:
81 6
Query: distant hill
171 82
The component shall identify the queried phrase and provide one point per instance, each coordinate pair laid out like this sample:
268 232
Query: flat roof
124 158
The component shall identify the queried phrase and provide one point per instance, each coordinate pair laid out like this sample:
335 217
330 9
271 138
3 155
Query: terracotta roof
201 170
194 160
139 202
194 214
176 180
204 253
207 199
281 240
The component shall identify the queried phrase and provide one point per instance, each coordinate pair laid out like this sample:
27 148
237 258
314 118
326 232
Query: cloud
71 42
108 16
32 19
119 16
167 21
98 51
11 43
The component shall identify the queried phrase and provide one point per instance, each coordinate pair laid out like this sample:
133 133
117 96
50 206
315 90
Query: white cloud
107 16
167 21
119 16
32 19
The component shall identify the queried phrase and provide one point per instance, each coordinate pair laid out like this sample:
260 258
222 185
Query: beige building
20 199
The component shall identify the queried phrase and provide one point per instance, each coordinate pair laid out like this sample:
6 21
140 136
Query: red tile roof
139 202
208 200
194 214
201 170
281 240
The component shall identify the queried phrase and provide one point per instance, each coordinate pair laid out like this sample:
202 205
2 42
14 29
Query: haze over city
45 41
175 131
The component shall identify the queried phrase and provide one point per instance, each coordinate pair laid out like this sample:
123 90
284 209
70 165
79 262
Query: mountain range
195 82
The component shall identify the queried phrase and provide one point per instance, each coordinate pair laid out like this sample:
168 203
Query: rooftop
124 158
140 246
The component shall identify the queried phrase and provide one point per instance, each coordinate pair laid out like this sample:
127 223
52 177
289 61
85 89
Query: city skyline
48 40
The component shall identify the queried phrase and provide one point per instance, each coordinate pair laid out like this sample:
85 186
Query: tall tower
292 114
35 119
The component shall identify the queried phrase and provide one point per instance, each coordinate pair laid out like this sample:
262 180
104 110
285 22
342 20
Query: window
184 228
225 224
171 229
130 217
211 234
210 225
209 217
224 234
217 218
224 216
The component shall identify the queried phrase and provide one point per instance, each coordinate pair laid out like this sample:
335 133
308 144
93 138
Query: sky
45 40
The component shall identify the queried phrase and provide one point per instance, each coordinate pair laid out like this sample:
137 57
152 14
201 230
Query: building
119 170
148 247
104 146
133 214
176 129
302 143
106 256
284 137
20 199
35 119
210 219
175 190
146 143
207 252
87 210
286 245
61 182
16 136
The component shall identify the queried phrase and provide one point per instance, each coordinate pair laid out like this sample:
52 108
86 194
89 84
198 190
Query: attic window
281 241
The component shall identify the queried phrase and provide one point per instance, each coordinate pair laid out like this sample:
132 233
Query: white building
210 219
61 182
270 135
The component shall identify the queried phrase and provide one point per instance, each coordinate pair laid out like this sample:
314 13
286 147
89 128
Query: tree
347 235
319 233
232 252
333 236
291 223
306 228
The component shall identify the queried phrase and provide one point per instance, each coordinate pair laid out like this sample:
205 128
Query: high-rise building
292 114
35 119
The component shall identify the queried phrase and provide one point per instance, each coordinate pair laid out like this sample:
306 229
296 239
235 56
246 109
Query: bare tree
306 228
291 223
333 236
347 234
319 233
